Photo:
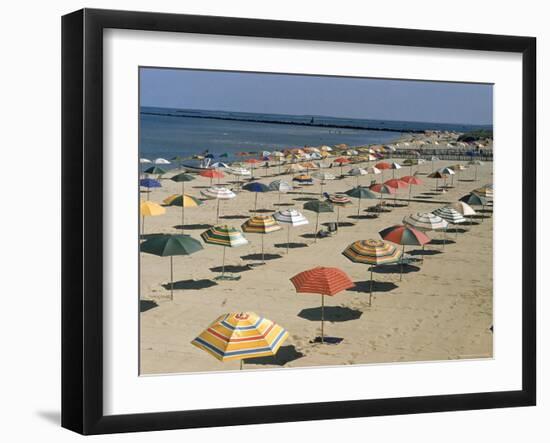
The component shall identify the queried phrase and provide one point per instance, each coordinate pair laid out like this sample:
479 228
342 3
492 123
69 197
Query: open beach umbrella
239 172
397 184
324 281
394 166
241 335
411 180
450 215
341 161
474 199
475 164
446 171
155 170
323 177
281 187
161 161
485 191
304 179
226 236
261 224
374 171
290 217
463 208
437 175
361 192
373 253
256 187
185 201
143 161
382 189
212 174
357 172
218 193
168 246
410 162
382 166
433 159
318 206
426 221
149 209
149 183
294 168
252 162
458 168
338 200
182 178
405 236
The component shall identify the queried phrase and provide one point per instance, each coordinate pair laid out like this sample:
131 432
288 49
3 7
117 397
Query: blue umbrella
149 183
256 187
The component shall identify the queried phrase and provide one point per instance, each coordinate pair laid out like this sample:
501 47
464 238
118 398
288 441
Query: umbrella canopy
185 200
324 281
161 161
410 162
361 192
411 180
357 172
485 191
450 215
373 170
396 183
457 167
463 208
169 246
404 235
437 174
341 160
149 183
425 221
236 336
211 173
295 167
238 171
256 187
182 178
280 186
382 166
155 170
144 160
446 171
216 192
291 217
382 188
324 176
224 235
303 178
339 199
318 206
394 165
150 209
474 199
372 252
261 224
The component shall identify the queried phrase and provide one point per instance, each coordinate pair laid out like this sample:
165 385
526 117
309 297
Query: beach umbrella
294 168
218 193
252 162
475 163
405 236
338 200
326 148
143 161
212 174
361 192
155 170
434 159
382 188
463 208
341 162
169 246
411 180
373 253
474 199
437 175
382 166
318 206
457 169
226 236
290 217
149 209
324 281
393 167
374 170
220 165
238 172
182 178
261 224
485 191
185 201
450 215
357 172
397 184
256 187
241 335
149 183
161 161
280 186
446 171
426 221
410 162
323 177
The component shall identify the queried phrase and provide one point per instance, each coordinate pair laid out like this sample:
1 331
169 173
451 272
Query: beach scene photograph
293 221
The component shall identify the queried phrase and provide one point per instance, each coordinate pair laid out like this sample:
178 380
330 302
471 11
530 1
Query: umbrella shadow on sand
262 211
259 256
424 252
362 217
191 284
233 217
332 314
283 204
341 224
194 226
233 269
285 355
441 241
377 286
150 236
455 230
395 269
145 305
304 199
291 245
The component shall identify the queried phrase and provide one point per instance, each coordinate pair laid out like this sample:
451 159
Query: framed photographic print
269 221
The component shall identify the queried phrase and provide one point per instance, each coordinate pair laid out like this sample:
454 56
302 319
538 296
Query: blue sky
421 101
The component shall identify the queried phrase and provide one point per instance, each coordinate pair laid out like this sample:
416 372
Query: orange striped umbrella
324 281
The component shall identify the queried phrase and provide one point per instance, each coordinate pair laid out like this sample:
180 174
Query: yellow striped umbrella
185 201
261 224
236 336
372 252
149 209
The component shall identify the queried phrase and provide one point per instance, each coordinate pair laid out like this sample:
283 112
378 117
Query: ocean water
170 132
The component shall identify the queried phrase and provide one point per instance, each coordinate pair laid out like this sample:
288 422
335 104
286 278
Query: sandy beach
441 310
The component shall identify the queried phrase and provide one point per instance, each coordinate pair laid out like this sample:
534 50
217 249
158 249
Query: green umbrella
182 178
318 207
155 170
361 192
168 246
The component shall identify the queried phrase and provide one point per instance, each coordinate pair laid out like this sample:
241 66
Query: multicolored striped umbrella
450 215
168 246
261 224
324 281
463 208
236 336
404 236
226 236
218 193
185 201
290 217
425 221
373 253
149 209
318 207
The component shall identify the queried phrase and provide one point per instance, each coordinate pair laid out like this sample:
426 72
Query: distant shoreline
281 122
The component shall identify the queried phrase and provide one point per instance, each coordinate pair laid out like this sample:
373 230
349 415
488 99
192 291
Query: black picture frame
82 215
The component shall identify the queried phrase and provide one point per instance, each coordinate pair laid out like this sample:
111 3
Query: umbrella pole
142 224
223 262
475 175
410 191
263 259
322 318
402 257
436 183
337 218
241 366
423 253
482 213
370 294
255 202
359 207
182 215
444 237
288 238
316 228
171 278
279 201
218 211
321 188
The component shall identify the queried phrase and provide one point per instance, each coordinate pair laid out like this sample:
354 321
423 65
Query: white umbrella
161 161
218 194
450 215
322 177
426 221
290 217
144 160
280 186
